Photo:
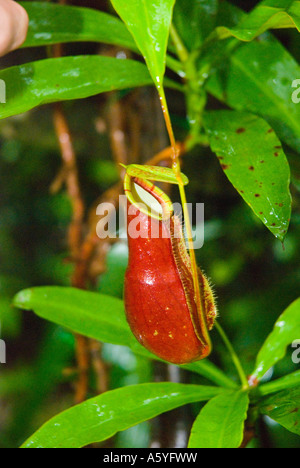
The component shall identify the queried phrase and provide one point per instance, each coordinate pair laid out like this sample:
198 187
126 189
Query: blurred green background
255 277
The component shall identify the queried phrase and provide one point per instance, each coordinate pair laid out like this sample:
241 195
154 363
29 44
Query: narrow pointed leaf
91 314
220 423
51 24
100 317
149 23
252 158
288 381
59 79
284 407
286 330
101 417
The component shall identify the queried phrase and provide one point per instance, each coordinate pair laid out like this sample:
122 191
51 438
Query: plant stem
181 50
195 94
234 357
205 338
175 65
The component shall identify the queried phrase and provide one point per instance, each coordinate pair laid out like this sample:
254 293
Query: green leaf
59 79
270 14
53 24
94 315
211 372
149 23
220 424
101 417
284 407
100 317
195 20
286 330
288 381
258 77
253 160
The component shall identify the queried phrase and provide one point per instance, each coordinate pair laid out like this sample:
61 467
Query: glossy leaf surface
283 407
93 315
288 381
268 14
194 20
253 160
220 423
101 417
258 77
286 330
149 22
60 79
100 317
52 24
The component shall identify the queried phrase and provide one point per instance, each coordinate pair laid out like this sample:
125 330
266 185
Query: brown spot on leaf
261 162
257 195
273 224
270 408
251 168
276 154
277 147
240 130
225 167
270 130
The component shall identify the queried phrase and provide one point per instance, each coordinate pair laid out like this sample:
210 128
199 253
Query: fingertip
21 26
14 23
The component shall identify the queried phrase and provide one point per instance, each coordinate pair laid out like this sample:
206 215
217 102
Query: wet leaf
220 423
269 14
53 24
100 317
286 330
60 79
252 158
284 407
149 22
195 20
93 315
100 418
258 77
